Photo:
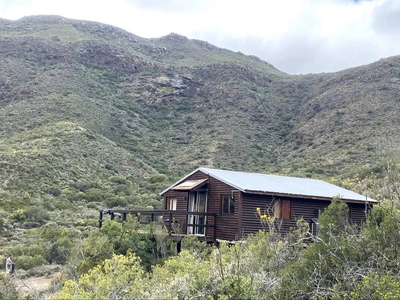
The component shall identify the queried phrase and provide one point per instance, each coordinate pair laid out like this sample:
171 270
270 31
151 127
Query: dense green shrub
158 178
118 180
27 262
60 250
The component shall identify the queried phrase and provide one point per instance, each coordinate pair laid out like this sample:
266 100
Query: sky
296 36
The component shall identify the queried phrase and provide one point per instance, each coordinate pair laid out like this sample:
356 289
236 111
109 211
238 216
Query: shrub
7 289
60 250
27 262
158 178
118 179
37 214
19 215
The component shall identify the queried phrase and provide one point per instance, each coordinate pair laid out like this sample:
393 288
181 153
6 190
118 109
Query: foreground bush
344 262
7 289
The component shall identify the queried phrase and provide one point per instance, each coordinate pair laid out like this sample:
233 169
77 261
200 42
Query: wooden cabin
226 205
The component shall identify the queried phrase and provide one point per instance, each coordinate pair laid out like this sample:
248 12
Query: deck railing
169 218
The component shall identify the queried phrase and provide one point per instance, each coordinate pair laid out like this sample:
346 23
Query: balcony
177 223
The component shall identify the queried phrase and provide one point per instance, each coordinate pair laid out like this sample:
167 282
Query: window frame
283 209
230 209
173 201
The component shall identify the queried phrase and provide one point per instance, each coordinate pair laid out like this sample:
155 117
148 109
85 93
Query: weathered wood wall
357 212
226 225
181 204
306 209
245 220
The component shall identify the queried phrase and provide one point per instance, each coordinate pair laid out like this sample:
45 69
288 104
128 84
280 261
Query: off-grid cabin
222 205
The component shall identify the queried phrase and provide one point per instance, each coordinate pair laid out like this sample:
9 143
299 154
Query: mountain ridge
176 103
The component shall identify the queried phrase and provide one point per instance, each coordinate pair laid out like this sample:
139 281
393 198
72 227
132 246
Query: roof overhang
190 185
367 200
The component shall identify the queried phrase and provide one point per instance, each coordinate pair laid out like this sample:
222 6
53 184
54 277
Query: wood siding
245 220
182 202
226 225
357 213
250 220
299 208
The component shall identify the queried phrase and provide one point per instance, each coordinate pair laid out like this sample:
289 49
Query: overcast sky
296 36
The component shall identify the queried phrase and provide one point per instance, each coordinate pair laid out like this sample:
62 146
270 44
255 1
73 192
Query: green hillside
90 114
94 117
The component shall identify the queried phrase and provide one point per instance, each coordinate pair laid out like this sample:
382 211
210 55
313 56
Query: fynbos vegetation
94 117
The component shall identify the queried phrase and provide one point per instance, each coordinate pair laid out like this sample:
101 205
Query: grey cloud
302 54
386 18
167 5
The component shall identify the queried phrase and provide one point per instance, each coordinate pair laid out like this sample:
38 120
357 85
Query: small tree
334 221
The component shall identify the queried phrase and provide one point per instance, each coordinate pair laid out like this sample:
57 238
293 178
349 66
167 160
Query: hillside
91 112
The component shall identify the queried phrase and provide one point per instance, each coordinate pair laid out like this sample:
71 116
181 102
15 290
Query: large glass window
197 203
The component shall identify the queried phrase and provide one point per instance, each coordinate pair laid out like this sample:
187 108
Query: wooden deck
168 219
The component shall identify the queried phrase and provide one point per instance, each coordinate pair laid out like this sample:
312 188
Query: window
282 209
197 203
228 205
278 210
172 203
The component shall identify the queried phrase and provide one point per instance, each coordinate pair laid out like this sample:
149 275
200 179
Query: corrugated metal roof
265 183
282 185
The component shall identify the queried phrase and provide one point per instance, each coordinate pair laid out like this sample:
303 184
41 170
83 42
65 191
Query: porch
178 223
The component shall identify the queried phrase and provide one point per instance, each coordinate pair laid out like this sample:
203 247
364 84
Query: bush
118 179
158 178
19 215
27 262
94 195
37 214
7 289
61 250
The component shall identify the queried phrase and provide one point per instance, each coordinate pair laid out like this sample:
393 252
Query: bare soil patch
31 285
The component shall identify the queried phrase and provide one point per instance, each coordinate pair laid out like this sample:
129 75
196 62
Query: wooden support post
124 216
152 218
112 216
101 219
178 246
215 227
170 222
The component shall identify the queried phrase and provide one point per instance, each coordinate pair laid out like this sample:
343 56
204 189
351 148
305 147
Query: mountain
87 107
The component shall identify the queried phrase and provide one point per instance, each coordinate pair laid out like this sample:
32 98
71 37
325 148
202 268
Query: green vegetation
343 262
94 117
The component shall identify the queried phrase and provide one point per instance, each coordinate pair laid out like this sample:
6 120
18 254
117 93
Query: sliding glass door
197 203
